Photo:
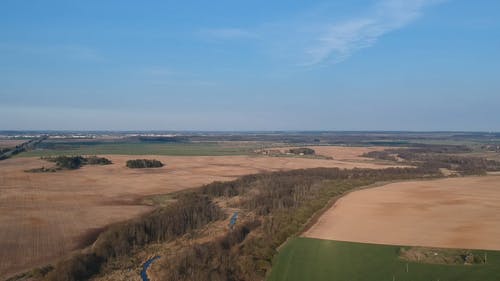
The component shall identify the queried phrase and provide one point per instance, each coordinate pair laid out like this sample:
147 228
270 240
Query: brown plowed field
448 213
45 215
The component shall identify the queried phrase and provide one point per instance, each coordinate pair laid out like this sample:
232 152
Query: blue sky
250 65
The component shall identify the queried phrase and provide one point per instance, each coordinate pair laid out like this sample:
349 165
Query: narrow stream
145 266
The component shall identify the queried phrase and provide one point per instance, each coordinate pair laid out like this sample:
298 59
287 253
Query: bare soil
44 216
447 213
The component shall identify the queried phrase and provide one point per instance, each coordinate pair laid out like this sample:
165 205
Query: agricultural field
47 215
321 260
360 236
9 143
51 148
458 212
486 154
344 153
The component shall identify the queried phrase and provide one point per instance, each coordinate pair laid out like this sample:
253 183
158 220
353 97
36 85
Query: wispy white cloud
228 33
312 38
340 40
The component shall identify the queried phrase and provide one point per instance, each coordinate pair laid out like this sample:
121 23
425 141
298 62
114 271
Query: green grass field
322 260
140 148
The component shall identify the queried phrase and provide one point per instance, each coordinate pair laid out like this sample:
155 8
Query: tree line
302 151
6 153
144 163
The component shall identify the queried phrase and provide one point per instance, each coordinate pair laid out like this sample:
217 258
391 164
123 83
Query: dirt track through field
45 215
449 213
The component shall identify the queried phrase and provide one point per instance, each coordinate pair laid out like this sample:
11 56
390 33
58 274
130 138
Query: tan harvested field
46 215
7 143
448 213
346 153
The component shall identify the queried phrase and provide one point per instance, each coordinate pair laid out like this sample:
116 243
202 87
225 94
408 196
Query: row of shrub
43 170
6 153
302 151
144 163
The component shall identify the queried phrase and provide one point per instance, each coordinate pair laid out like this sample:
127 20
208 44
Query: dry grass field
46 215
447 213
341 153
346 153
7 143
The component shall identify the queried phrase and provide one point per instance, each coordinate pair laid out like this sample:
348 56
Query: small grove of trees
144 163
75 162
70 163
67 162
302 151
94 160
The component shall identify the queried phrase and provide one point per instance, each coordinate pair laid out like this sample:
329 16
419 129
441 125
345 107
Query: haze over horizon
415 65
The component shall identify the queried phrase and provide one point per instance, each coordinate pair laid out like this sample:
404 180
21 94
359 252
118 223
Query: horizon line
244 131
